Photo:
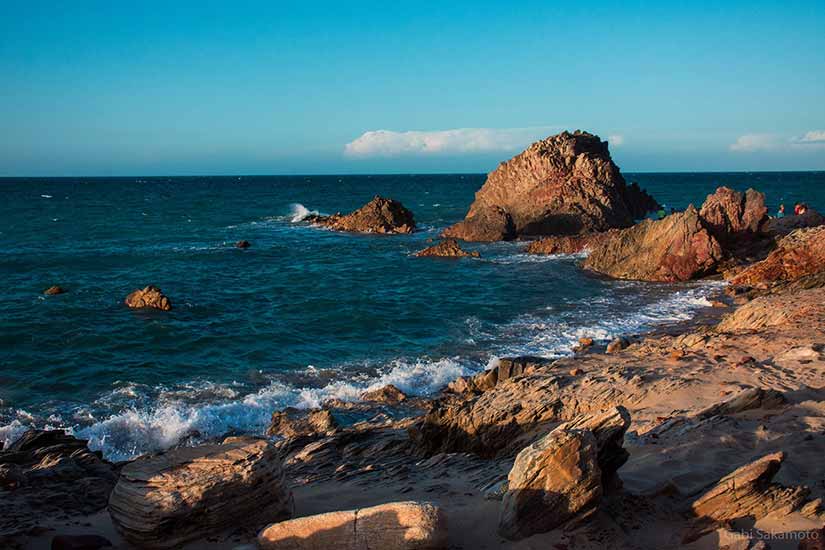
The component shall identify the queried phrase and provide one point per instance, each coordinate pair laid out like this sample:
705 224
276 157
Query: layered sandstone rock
191 493
563 185
503 369
797 255
793 308
448 248
734 217
676 248
149 297
46 472
293 422
380 215
396 525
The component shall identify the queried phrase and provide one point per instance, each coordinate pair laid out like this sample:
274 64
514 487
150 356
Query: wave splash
298 212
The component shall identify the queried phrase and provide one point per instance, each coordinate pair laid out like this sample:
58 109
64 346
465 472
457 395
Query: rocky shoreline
706 435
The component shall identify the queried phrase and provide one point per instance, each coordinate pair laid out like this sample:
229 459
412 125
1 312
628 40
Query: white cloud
389 143
750 143
615 140
814 136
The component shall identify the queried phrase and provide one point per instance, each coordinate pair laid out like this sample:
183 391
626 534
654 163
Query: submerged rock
448 248
190 493
395 525
243 244
149 297
380 215
797 255
54 290
563 185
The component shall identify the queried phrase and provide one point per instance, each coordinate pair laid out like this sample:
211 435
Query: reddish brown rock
448 248
733 217
149 297
54 290
567 244
563 185
676 248
388 394
797 255
380 215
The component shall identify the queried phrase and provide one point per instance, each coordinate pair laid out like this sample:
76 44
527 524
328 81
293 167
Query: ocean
303 315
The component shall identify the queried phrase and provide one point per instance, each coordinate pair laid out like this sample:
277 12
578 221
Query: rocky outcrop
733 217
388 394
798 307
396 525
797 255
54 290
191 493
748 492
448 248
47 473
552 481
503 369
380 215
676 248
149 297
293 422
567 244
779 227
563 185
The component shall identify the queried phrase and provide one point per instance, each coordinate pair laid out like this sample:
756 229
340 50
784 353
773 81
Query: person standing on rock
781 212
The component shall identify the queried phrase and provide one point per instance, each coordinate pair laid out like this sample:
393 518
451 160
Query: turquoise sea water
302 315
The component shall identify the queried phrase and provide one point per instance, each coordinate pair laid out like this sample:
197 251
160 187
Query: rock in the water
190 493
676 248
567 244
380 215
243 244
149 297
395 525
733 217
748 492
293 422
797 255
448 248
45 473
552 481
563 185
54 290
388 394
80 542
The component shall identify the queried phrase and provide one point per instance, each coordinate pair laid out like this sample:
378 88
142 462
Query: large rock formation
46 473
563 185
380 215
149 297
676 248
448 248
190 493
734 217
799 254
395 525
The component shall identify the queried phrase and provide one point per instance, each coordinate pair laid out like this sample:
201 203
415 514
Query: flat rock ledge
395 525
190 493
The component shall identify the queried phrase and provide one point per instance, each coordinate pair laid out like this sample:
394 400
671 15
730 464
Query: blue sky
116 88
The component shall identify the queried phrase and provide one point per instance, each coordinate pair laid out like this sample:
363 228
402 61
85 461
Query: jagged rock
503 369
293 422
395 525
797 255
448 248
190 493
243 244
563 185
567 244
149 297
753 398
380 215
732 216
676 248
45 473
388 394
749 492
617 345
80 542
552 481
54 290
779 227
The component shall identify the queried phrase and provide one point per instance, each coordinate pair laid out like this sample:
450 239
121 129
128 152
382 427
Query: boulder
380 215
552 481
747 492
149 297
676 248
797 255
733 217
54 290
388 394
243 244
395 525
293 422
563 185
190 493
448 248
47 473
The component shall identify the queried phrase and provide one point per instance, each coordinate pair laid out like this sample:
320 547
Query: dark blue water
303 315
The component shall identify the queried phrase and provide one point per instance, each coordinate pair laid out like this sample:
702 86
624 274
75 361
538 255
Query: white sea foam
298 212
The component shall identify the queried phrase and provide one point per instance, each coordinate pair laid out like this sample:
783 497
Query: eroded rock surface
380 215
797 255
732 216
148 297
